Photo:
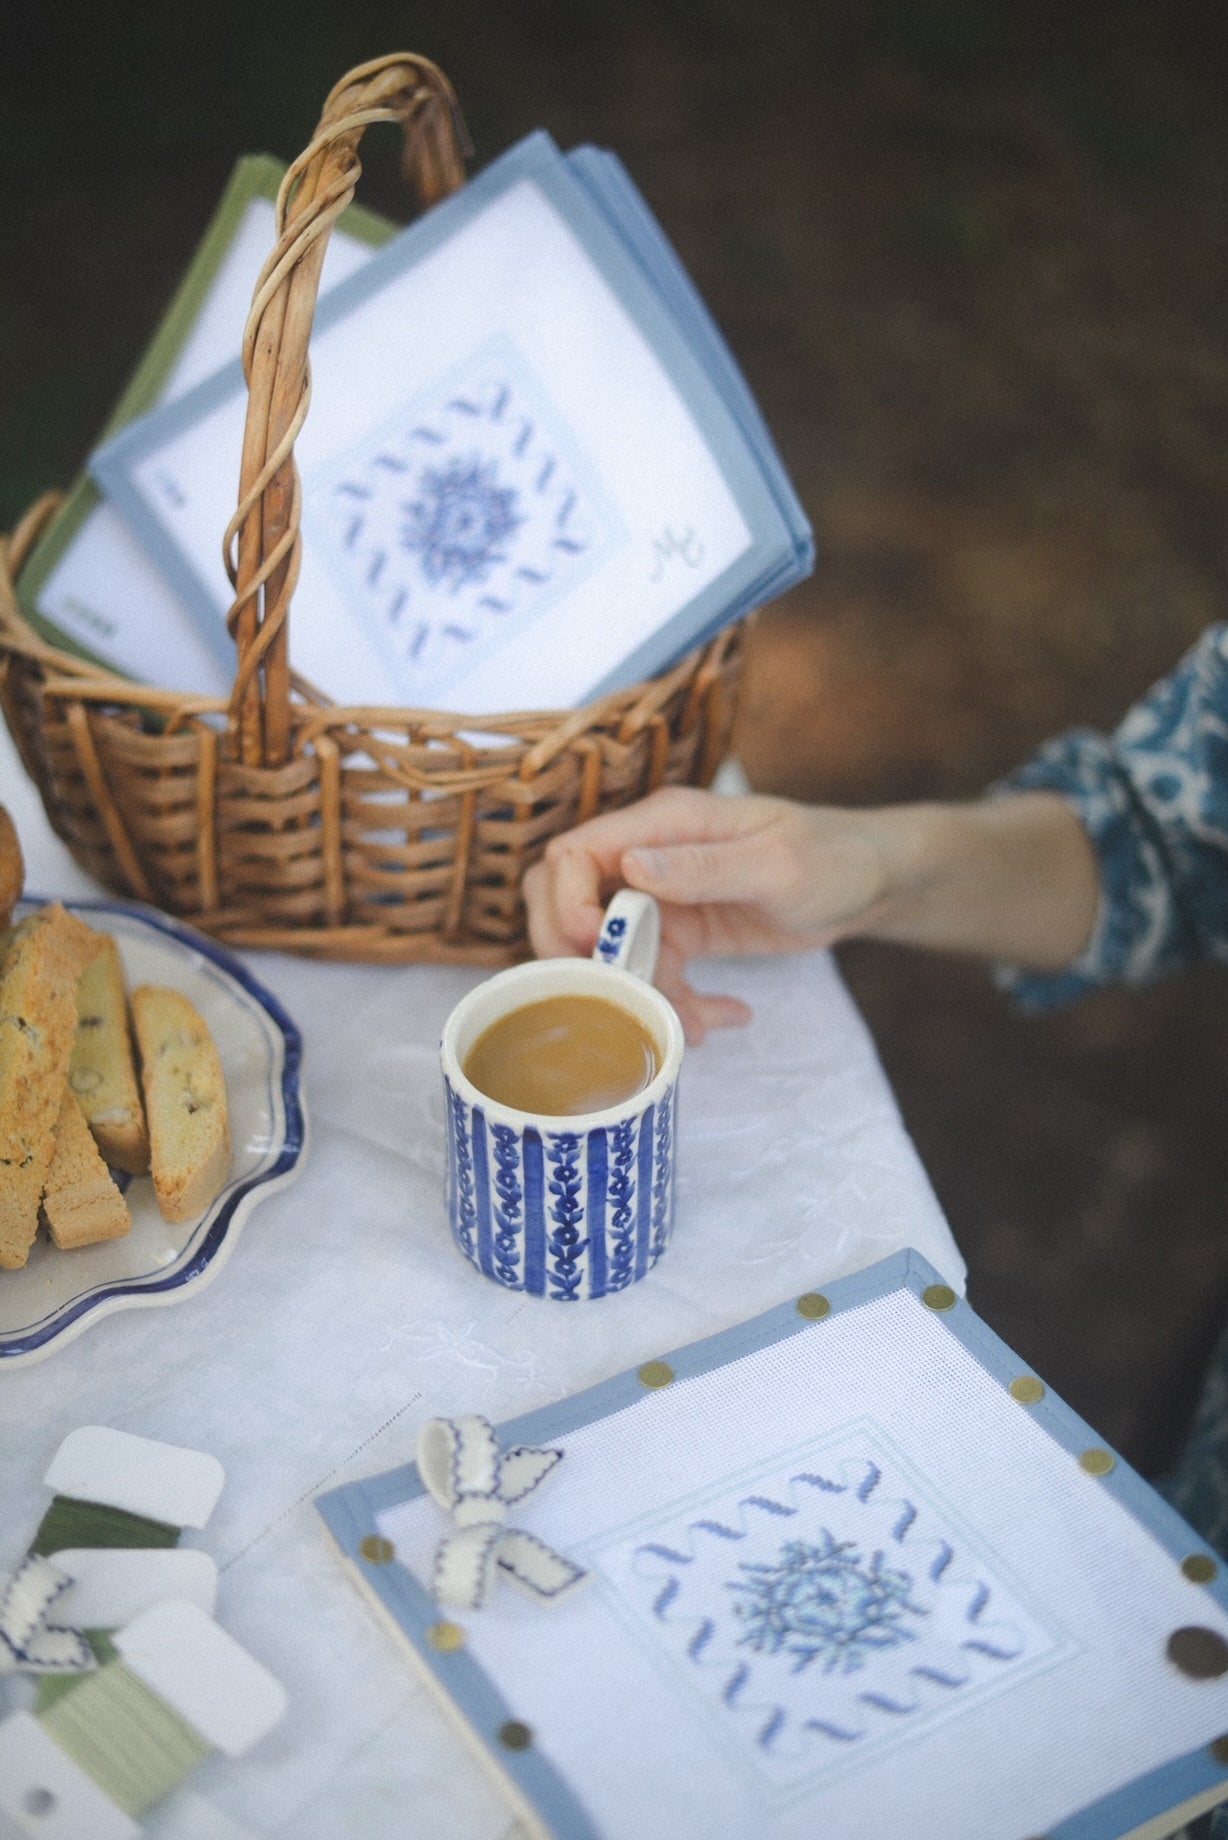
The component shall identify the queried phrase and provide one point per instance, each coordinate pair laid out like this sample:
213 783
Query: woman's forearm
1012 878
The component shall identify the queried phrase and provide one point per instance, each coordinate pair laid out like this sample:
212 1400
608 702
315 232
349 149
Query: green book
88 586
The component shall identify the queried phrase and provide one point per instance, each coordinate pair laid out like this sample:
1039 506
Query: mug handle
630 935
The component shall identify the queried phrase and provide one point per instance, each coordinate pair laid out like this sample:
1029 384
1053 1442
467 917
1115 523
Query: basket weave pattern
276 818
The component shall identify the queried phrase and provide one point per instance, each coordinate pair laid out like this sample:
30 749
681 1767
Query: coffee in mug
564 1056
565 1190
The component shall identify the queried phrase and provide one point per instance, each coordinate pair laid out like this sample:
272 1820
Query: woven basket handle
263 541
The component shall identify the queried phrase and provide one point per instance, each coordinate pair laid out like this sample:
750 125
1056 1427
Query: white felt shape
458 1457
184 1657
465 1475
164 1482
110 1585
522 1469
30 1640
45 1794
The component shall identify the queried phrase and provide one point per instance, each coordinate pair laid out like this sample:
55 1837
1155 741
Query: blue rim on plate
213 1234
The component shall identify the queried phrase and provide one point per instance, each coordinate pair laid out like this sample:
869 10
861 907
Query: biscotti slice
102 1072
81 1202
12 868
185 1101
38 1019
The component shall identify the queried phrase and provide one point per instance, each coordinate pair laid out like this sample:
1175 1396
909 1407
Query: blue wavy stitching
905 1522
994 1653
832 1731
821 1482
938 1677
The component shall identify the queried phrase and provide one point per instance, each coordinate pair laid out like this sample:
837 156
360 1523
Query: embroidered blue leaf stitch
465 1216
662 1187
565 1245
508 1219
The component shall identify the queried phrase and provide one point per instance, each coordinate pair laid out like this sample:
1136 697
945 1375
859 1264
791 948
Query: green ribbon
69 1522
126 1739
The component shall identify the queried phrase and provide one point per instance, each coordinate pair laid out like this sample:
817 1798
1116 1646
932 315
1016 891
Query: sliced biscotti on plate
81 1202
38 1022
185 1101
102 1072
12 868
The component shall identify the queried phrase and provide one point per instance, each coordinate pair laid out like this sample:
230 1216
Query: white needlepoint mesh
844 1579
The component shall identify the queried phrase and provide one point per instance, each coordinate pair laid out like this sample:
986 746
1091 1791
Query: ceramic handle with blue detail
630 936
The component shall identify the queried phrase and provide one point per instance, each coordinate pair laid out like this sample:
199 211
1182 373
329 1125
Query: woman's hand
1012 878
732 876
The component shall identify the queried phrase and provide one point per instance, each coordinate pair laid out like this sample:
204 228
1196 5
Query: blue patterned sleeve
1153 798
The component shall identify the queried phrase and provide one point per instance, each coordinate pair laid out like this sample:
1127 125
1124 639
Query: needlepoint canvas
841 1580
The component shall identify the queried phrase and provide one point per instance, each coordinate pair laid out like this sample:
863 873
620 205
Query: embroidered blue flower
460 522
824 1603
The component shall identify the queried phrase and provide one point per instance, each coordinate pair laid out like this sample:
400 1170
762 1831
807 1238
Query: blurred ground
971 256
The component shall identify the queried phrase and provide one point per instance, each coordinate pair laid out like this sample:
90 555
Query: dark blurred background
971 256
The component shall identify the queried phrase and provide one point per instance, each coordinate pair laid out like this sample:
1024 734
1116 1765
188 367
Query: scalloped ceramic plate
58 1294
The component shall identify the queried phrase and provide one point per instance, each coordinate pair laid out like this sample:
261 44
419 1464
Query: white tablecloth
345 1318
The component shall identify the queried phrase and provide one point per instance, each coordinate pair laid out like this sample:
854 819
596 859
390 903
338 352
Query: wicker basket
276 818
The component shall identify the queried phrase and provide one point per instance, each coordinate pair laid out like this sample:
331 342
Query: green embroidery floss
124 1737
54 1686
69 1522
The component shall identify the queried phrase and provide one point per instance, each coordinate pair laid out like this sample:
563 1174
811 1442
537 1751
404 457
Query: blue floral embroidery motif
460 522
465 1213
662 1192
508 1212
621 1192
824 1603
565 1245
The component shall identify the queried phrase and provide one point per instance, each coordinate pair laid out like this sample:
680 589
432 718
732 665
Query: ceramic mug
566 1206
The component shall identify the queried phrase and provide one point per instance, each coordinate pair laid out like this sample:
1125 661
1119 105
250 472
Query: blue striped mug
566 1206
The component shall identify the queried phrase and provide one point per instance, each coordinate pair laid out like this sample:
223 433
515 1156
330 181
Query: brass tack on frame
1097 1461
1027 1389
1200 1654
376 1550
1219 1748
514 1735
1199 1568
656 1373
446 1637
813 1305
938 1297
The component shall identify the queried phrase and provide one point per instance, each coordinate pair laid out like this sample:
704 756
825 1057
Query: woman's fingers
698 1011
